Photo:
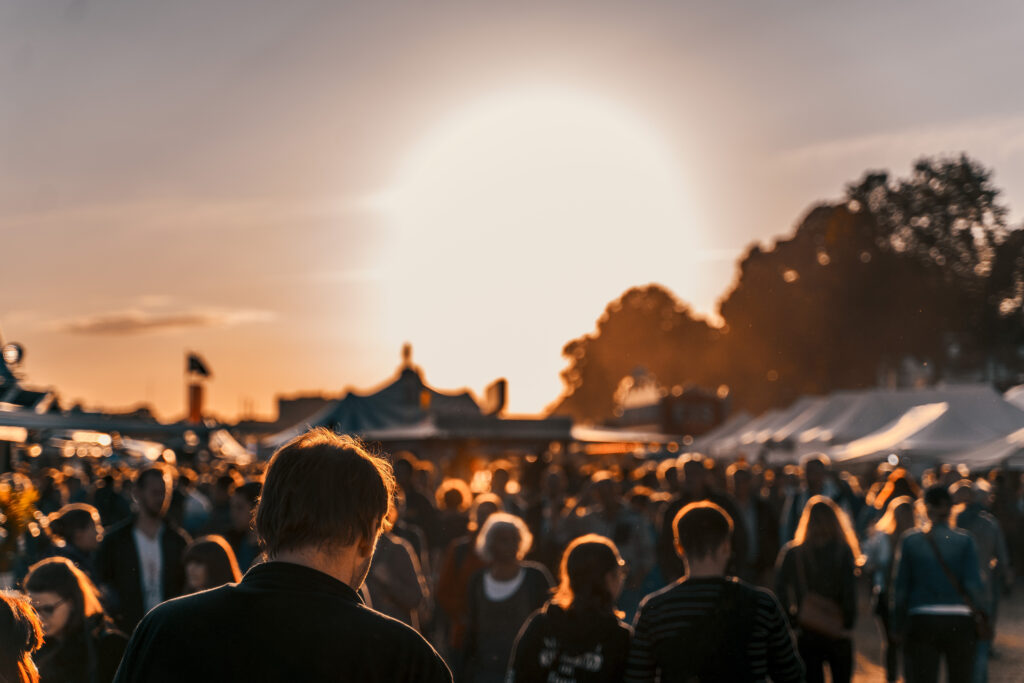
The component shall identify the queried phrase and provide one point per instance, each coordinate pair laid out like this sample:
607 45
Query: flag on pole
197 366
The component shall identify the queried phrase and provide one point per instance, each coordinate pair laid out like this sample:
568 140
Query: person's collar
278 574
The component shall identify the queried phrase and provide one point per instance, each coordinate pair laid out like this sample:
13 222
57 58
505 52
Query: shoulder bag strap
949 574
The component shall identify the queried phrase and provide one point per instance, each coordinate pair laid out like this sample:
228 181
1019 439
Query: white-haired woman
501 597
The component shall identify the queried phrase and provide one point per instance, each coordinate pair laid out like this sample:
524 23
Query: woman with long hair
879 551
21 634
816 583
578 635
501 597
81 643
209 562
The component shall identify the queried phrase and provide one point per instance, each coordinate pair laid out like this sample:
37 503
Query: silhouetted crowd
559 567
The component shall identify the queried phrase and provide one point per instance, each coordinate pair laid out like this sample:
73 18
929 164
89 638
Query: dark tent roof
404 402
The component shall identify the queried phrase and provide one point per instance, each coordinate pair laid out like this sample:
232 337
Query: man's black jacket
283 622
117 569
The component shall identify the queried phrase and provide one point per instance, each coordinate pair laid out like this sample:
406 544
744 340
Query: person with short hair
501 597
578 636
81 642
298 616
937 582
707 626
21 634
971 512
139 561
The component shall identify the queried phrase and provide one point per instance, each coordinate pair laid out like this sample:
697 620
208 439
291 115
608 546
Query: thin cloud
121 323
985 138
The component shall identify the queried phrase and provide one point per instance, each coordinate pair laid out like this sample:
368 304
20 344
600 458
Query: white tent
819 412
1016 396
733 423
872 410
1008 450
968 417
767 430
730 443
893 437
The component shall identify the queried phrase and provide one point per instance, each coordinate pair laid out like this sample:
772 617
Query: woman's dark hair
214 553
583 577
60 575
71 519
21 634
323 490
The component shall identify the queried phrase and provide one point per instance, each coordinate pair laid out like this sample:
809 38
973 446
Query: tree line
922 272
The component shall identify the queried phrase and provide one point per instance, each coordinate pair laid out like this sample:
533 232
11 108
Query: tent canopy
1009 450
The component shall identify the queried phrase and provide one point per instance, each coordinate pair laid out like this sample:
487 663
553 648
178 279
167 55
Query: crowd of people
557 567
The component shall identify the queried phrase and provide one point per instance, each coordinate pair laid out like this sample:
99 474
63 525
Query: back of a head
583 577
21 634
73 518
823 522
701 528
937 495
323 490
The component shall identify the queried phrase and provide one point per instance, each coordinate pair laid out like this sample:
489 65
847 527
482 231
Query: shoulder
654 601
399 544
119 531
765 600
537 573
176 534
912 537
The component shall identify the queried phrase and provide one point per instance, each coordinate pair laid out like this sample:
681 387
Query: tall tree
646 327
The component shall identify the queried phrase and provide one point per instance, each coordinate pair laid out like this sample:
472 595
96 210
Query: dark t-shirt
570 648
283 622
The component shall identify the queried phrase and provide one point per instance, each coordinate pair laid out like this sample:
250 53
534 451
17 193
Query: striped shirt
712 629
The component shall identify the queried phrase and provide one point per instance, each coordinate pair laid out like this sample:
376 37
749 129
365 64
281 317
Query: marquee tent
968 418
735 422
405 402
1016 396
1008 451
876 408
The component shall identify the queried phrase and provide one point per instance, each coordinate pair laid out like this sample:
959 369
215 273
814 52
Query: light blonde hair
823 521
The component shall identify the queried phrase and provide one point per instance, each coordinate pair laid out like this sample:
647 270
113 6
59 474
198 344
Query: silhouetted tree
646 327
923 266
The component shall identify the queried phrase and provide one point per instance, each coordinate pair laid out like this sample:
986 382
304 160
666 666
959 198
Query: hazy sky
294 189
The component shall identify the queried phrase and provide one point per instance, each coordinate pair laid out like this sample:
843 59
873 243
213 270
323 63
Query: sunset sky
294 189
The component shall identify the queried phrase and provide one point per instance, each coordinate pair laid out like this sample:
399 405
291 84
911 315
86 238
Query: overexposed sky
294 189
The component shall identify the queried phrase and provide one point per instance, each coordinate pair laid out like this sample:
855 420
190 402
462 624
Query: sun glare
517 212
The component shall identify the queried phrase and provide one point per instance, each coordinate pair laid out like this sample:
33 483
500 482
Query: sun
517 218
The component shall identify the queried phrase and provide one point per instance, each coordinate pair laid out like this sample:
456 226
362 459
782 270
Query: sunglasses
48 610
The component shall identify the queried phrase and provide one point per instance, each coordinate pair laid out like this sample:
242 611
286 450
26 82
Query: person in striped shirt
707 626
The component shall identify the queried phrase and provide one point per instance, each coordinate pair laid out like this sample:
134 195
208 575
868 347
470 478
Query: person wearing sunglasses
80 642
